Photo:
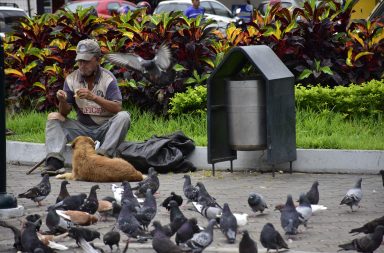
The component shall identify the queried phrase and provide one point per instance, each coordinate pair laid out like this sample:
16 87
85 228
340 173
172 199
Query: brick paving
326 229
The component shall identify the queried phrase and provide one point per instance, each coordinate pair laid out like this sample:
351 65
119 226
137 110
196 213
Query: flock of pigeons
134 208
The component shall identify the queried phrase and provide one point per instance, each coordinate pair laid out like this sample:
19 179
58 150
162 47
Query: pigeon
257 202
304 209
367 243
105 209
35 218
204 198
190 192
203 239
86 246
382 175
353 196
369 227
313 194
166 228
72 202
161 243
128 196
49 240
157 70
112 238
38 192
78 217
186 231
109 198
175 197
151 182
176 217
117 193
290 218
247 244
208 212
270 238
63 191
228 224
16 234
87 234
127 222
91 204
148 211
55 223
29 239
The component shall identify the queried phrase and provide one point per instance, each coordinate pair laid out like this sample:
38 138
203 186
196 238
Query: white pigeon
118 192
210 212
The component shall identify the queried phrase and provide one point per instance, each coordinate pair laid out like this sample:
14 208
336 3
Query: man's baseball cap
86 49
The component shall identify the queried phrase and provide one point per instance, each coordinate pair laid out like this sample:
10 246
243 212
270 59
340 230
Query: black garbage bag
164 153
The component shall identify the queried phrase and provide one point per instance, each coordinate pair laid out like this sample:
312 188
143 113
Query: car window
171 7
220 10
113 7
10 18
207 7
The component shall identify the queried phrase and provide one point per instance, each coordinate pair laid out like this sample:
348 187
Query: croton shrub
318 43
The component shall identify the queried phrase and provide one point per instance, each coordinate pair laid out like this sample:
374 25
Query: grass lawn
327 130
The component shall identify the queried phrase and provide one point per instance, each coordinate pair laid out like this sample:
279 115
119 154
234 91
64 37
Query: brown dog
87 165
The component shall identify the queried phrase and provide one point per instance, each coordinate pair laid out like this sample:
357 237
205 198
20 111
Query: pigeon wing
126 60
163 57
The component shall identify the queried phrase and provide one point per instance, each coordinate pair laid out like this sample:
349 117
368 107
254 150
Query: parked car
9 17
213 10
104 8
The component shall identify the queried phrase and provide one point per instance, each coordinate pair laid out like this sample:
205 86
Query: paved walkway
326 229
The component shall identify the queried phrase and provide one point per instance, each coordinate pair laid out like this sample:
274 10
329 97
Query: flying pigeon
369 227
353 196
228 224
367 243
151 182
63 191
257 202
38 192
156 70
173 196
304 208
247 244
186 231
190 192
313 194
91 204
112 238
290 218
202 239
270 238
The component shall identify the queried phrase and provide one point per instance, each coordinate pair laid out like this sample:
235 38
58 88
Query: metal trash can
247 114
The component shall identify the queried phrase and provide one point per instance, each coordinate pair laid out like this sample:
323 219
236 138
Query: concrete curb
308 160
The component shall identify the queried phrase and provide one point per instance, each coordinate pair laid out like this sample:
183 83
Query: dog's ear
74 142
90 141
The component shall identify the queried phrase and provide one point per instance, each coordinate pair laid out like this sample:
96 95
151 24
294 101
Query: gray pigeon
186 231
29 239
38 192
127 221
161 243
177 218
256 202
128 196
202 239
367 243
369 227
55 223
304 208
270 238
290 218
313 194
72 202
63 191
112 238
148 211
247 244
91 204
190 192
353 196
204 198
156 70
228 224
151 182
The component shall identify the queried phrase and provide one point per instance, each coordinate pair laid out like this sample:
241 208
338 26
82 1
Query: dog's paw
60 176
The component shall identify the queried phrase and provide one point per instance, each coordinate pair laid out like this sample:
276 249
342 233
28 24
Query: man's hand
84 93
61 95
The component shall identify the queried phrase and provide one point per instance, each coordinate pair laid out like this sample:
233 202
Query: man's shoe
51 171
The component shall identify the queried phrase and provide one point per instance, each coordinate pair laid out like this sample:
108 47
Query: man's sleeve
70 93
113 92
